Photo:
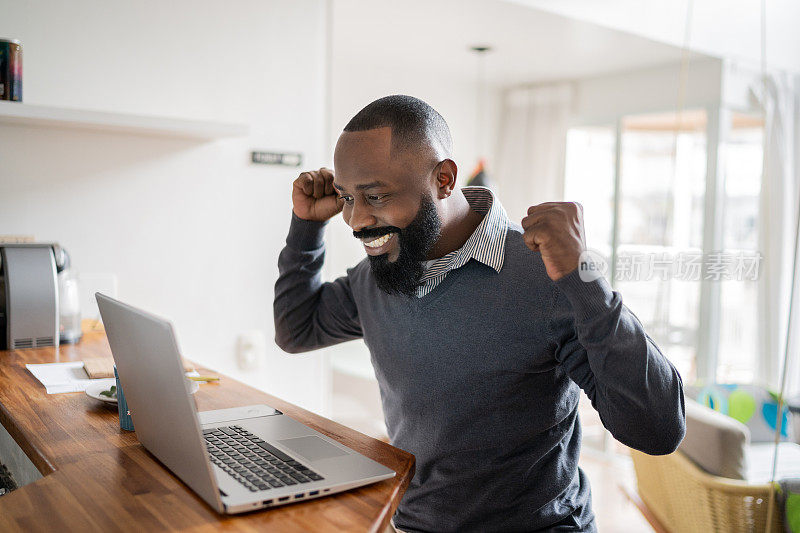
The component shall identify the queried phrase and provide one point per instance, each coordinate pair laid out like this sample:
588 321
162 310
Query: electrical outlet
251 349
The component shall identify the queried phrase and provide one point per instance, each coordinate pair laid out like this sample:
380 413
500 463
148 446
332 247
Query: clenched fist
314 197
556 230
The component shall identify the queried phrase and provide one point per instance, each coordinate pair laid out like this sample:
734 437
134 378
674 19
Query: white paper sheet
61 377
67 377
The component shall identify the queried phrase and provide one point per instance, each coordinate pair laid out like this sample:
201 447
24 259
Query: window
660 196
590 180
741 158
662 189
661 202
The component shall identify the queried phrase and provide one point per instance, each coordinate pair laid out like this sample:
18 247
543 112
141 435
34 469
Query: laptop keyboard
252 462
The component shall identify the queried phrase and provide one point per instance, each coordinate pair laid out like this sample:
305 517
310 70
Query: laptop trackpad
313 448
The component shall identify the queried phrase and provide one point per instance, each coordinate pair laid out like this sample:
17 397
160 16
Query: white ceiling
722 28
529 45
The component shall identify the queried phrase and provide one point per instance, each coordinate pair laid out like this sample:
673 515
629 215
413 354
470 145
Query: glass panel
662 190
589 179
741 166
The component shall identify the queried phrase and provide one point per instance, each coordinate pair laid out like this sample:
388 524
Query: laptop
238 459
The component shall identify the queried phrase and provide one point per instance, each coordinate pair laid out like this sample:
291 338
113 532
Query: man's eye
346 198
376 197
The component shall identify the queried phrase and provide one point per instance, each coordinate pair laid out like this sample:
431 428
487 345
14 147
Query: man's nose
360 218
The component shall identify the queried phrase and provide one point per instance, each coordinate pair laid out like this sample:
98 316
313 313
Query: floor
356 403
613 510
609 468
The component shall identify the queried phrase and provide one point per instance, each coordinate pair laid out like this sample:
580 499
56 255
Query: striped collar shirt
486 244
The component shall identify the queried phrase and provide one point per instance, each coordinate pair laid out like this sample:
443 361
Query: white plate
94 389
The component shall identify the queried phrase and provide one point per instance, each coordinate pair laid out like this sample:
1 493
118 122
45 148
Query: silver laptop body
168 425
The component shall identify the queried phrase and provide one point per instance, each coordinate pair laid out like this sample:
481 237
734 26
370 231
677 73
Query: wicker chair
684 498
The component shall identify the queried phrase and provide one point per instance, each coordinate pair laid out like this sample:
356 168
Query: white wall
709 83
191 230
601 99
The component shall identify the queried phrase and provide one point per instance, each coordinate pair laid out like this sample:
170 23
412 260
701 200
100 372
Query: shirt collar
487 242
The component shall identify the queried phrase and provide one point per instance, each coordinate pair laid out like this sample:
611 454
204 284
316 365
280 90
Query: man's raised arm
604 349
601 345
310 314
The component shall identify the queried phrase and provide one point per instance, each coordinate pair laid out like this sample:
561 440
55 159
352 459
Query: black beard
416 240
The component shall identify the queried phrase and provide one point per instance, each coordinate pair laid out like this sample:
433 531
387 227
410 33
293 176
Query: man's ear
446 178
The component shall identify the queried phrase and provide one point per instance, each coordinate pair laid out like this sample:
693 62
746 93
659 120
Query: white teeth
380 241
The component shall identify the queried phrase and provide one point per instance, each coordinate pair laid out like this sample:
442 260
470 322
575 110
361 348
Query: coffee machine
28 296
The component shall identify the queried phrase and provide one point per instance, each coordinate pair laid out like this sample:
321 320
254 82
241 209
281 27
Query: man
480 330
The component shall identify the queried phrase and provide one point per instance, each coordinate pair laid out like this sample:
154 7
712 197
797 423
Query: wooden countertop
98 477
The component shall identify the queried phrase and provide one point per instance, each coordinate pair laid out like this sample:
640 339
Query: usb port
283 498
296 496
267 502
313 493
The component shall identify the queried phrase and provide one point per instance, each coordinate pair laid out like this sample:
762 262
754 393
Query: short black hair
413 122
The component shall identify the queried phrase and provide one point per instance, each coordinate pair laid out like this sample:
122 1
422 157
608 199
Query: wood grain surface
98 477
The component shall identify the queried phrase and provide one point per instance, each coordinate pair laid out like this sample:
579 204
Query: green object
741 406
111 393
793 512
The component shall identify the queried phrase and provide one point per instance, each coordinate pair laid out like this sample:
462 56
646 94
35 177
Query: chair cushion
753 405
715 442
759 462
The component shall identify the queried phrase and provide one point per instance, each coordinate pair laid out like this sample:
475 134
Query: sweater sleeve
604 349
310 314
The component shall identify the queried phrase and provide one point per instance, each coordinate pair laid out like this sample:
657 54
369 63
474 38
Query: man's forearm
636 390
310 314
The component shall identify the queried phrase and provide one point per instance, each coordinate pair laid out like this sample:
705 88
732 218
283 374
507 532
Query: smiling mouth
380 241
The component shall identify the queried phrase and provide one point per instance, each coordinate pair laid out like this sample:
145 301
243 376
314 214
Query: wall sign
288 159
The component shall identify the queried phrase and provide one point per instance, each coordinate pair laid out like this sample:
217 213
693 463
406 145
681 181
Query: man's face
388 202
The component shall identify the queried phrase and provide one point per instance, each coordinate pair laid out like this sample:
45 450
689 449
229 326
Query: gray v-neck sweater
479 380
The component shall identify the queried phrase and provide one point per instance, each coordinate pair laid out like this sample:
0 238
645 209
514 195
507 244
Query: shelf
21 114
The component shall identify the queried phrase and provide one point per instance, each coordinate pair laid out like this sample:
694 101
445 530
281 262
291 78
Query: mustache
374 233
